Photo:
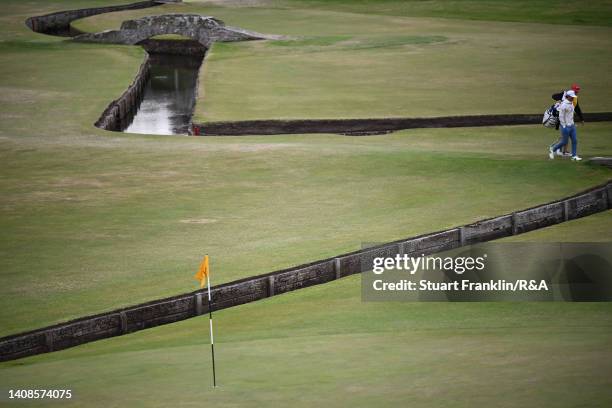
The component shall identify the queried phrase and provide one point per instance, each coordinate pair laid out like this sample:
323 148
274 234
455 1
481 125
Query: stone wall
59 23
247 290
359 127
203 29
174 47
602 161
120 111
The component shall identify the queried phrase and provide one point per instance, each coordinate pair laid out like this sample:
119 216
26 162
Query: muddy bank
360 127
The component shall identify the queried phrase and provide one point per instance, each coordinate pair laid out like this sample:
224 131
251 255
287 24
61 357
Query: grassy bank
323 345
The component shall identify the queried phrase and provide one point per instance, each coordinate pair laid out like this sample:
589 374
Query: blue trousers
567 133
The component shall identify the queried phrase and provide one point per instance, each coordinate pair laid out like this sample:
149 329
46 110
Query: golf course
93 220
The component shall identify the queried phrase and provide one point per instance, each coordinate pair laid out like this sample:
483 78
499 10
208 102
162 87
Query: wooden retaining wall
359 127
59 23
247 290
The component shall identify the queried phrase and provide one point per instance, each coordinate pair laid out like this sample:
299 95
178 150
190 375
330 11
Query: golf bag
551 117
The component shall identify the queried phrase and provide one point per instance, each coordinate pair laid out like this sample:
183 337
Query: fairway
93 221
124 228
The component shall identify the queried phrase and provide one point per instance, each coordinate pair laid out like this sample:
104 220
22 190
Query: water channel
169 96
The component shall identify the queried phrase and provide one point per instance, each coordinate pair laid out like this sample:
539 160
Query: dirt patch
69 182
199 221
13 95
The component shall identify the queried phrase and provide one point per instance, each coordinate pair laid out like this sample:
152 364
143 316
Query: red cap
575 87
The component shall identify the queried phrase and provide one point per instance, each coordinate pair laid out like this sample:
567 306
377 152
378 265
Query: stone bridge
203 29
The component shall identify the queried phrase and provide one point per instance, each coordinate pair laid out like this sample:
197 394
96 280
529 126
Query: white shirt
566 113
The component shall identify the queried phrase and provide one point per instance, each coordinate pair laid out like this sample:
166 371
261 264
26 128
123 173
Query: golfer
559 97
568 127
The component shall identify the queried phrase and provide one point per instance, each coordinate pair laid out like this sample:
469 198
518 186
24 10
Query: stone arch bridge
204 29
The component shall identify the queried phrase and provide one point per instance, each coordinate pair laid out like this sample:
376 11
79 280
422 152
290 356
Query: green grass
323 345
394 66
93 220
86 212
88 215
340 61
541 11
595 12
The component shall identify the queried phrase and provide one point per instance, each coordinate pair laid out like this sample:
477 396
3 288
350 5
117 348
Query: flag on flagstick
203 276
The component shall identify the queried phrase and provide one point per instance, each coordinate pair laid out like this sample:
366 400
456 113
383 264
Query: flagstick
212 342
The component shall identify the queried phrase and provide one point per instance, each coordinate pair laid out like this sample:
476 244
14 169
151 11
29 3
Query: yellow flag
202 272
